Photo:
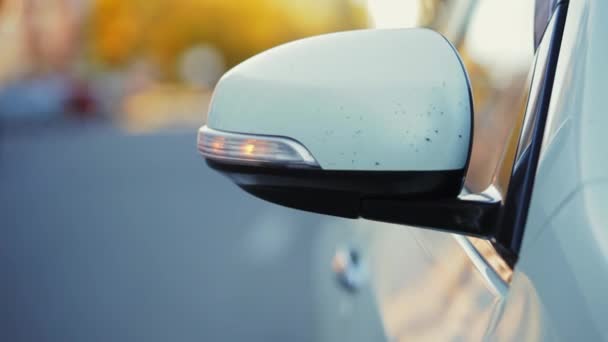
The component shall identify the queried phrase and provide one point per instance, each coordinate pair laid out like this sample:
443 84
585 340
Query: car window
516 204
537 81
542 13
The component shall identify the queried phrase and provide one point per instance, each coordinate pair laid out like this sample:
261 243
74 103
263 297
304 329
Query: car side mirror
371 123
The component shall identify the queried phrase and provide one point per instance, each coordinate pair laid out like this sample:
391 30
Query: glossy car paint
422 286
381 100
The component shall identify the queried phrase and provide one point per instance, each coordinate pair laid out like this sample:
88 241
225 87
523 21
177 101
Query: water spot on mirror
427 139
377 164
436 131
459 136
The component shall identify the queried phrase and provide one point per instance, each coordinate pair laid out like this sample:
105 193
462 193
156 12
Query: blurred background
145 65
111 226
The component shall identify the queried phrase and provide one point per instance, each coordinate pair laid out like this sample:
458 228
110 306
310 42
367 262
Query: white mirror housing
339 123
370 100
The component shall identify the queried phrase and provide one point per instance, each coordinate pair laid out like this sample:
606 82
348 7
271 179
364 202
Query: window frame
511 223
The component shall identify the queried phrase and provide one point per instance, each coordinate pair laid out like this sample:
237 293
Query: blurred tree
162 30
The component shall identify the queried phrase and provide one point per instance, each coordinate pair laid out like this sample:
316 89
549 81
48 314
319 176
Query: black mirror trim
456 215
427 199
340 193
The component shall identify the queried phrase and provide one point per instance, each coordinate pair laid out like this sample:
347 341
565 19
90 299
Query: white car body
435 286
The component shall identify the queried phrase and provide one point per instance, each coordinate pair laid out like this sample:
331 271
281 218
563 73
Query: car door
428 285
558 290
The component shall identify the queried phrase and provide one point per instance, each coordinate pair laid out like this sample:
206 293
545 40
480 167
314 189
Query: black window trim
514 212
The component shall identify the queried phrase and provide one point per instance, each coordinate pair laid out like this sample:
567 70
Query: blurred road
108 237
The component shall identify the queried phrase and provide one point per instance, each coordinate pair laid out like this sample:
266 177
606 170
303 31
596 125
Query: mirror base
456 215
